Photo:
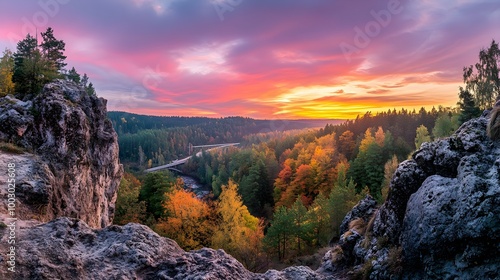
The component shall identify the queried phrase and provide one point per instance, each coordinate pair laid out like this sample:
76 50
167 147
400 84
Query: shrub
364 272
382 241
394 260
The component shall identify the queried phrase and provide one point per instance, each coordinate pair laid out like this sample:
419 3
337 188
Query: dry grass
11 148
368 231
337 254
346 234
359 225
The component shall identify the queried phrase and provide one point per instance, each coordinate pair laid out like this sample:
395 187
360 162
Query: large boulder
441 219
68 249
451 227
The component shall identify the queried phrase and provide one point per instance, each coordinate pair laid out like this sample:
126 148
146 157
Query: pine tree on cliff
73 76
53 50
90 89
35 65
468 108
26 73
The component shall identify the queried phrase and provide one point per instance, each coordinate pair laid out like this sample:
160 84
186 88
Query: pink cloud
177 57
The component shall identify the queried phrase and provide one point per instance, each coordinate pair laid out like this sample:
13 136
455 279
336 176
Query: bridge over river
178 162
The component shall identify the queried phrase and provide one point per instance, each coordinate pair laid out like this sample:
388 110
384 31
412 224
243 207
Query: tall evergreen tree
281 232
25 73
53 50
73 75
36 65
153 192
303 229
319 217
468 108
90 89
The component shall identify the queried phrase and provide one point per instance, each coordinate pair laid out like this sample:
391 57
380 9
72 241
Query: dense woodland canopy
295 186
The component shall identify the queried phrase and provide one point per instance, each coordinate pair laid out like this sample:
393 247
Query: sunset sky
264 58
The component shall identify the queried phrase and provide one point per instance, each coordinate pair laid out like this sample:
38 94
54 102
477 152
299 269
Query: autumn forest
279 196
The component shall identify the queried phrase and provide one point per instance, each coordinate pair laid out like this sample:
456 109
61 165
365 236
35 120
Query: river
191 184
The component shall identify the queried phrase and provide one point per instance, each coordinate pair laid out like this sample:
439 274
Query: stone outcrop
441 219
68 249
71 167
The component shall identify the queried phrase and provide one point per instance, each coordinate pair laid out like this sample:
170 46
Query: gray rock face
33 186
364 209
77 153
68 249
452 223
405 181
293 273
442 212
452 226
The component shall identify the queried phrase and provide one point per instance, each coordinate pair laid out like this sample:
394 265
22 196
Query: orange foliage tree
189 220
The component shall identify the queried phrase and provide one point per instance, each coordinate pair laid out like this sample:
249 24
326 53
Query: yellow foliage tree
6 71
188 221
367 140
389 168
237 231
380 137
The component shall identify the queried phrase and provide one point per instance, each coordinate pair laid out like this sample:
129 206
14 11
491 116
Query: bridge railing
184 160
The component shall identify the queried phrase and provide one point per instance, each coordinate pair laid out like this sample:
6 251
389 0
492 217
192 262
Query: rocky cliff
441 219
71 165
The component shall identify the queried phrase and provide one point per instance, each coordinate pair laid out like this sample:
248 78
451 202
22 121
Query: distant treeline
402 124
129 123
151 140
